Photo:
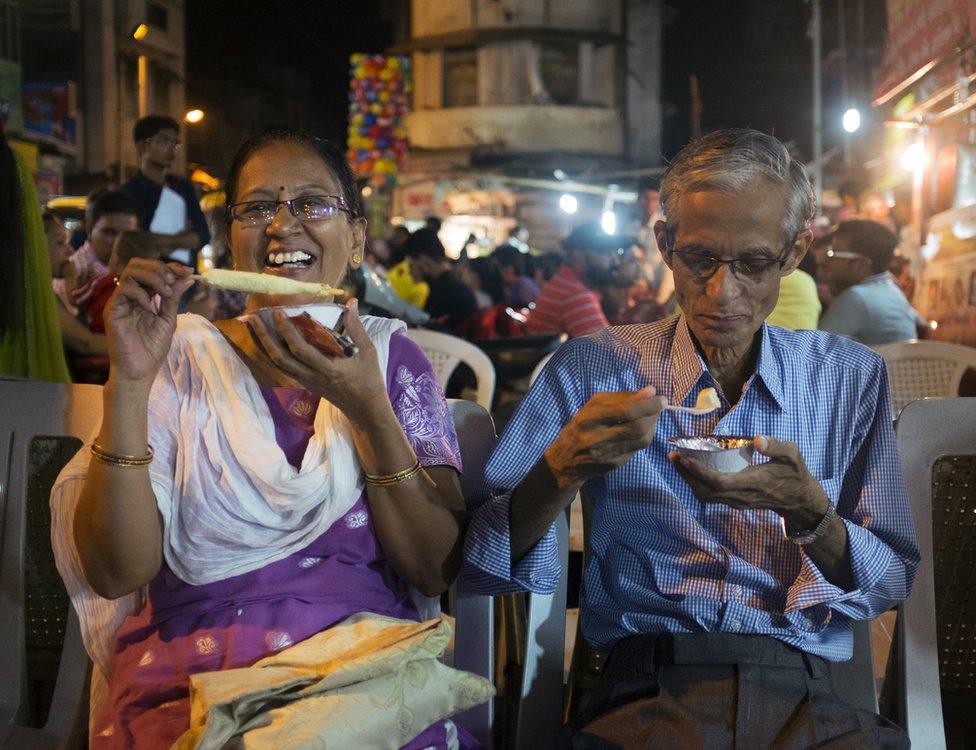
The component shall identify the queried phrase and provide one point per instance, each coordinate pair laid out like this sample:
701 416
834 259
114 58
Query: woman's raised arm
118 531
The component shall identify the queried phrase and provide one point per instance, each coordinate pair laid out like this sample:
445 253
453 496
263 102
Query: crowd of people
247 493
857 280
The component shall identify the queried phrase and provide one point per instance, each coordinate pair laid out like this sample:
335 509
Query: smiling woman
285 493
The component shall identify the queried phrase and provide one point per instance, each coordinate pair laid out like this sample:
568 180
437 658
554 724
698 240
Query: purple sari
184 629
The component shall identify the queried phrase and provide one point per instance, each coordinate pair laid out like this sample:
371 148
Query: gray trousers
719 690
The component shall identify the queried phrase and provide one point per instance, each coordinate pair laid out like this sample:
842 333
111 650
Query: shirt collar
688 366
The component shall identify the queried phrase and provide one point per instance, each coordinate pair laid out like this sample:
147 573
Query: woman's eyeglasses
306 209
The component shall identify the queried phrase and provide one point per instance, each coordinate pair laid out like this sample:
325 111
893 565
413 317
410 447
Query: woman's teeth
297 257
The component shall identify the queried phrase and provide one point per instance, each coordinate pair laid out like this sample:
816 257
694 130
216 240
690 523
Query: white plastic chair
474 644
925 369
41 426
445 352
539 368
927 432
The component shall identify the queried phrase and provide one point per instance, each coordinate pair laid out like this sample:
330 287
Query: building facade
525 90
114 75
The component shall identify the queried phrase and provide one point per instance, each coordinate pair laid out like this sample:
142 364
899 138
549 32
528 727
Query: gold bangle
382 480
116 459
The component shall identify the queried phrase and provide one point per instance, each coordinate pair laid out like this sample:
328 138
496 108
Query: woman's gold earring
357 258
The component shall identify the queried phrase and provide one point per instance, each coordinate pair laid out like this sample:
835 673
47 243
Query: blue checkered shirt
661 560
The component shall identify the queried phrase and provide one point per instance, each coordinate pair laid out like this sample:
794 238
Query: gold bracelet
116 459
383 480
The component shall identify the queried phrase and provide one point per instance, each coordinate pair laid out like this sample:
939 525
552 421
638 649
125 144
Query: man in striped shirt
720 596
570 302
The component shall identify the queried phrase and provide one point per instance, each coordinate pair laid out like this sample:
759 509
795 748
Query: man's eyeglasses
702 266
306 209
841 255
173 143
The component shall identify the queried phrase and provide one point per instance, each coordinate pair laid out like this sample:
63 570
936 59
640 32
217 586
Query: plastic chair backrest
541 699
41 426
540 367
854 679
445 352
933 435
925 369
474 643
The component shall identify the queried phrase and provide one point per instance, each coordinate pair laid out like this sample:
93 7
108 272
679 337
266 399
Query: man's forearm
831 554
535 504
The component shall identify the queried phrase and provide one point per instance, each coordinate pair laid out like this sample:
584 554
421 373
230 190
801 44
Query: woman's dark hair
489 277
334 159
507 255
11 241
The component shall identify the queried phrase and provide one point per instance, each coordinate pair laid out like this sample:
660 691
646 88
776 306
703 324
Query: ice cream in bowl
725 453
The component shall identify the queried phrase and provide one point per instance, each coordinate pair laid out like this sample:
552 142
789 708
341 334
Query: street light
852 120
193 116
914 157
137 33
568 203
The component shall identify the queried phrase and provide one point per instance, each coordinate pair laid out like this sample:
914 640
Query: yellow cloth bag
368 682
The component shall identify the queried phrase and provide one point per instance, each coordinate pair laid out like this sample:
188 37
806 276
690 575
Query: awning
920 34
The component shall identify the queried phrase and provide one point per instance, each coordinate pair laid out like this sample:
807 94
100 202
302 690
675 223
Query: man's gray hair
727 161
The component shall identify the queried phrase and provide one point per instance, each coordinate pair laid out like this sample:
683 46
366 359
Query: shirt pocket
831 486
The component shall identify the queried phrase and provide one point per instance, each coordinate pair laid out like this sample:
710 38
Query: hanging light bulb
568 203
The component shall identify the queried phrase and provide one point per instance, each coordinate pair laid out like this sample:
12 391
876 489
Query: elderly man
720 597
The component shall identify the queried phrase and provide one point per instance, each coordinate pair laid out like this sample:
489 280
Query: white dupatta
230 501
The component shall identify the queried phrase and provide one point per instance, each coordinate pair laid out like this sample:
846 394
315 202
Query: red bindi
281 188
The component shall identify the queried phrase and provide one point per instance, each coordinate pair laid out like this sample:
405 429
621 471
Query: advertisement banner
11 113
920 33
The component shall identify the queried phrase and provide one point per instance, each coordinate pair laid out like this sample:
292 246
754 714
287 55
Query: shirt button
735 625
809 622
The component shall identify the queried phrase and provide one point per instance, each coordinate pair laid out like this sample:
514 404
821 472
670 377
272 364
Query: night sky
752 57
315 37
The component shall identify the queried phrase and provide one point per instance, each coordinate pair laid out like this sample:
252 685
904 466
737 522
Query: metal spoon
706 402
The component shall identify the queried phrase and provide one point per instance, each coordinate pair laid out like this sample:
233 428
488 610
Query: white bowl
324 313
724 453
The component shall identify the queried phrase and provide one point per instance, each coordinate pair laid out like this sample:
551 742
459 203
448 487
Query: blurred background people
867 304
112 213
798 306
168 204
570 302
873 206
520 289
659 277
483 279
30 338
78 340
450 302
849 191
901 271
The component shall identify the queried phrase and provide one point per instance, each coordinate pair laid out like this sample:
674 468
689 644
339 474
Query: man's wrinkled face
725 307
